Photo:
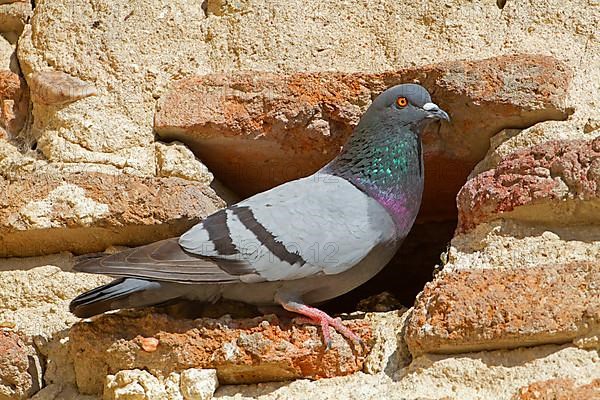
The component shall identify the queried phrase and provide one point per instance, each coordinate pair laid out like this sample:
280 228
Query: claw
314 316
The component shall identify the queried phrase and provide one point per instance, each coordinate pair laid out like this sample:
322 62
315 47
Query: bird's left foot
314 316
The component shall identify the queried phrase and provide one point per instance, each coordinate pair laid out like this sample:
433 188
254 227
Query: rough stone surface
389 351
120 50
258 130
14 104
241 351
498 374
7 54
506 244
135 384
99 211
40 286
470 310
198 383
56 391
509 141
20 371
498 150
175 159
35 303
14 16
490 375
559 389
565 174
190 384
75 49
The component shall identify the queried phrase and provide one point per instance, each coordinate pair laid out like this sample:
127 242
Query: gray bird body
303 242
324 238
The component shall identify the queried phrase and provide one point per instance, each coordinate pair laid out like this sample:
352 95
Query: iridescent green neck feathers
385 162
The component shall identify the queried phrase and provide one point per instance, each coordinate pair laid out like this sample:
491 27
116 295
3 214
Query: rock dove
300 243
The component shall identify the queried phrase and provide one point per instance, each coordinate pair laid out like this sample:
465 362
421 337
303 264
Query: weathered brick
555 182
483 309
20 371
88 212
242 351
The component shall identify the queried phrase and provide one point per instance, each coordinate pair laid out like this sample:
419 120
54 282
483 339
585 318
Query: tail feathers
121 293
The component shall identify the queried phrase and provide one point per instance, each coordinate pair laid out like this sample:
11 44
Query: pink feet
315 316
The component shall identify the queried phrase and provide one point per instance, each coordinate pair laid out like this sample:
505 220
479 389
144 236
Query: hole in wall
412 267
407 273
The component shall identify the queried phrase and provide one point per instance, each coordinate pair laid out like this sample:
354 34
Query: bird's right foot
314 316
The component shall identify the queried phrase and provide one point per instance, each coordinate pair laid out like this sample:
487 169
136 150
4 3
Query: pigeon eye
401 102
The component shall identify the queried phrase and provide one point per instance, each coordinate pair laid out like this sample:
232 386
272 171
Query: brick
485 309
242 351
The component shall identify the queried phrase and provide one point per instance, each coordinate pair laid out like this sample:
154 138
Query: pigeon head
407 103
383 156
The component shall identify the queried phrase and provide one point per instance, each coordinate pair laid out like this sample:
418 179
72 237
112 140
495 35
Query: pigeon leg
318 317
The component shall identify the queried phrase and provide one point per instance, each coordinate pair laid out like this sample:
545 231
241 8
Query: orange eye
401 102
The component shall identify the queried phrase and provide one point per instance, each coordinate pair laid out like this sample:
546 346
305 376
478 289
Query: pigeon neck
386 163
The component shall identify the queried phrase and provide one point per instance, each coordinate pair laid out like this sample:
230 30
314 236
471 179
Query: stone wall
124 123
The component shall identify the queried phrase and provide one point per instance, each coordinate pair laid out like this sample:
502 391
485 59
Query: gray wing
321 224
164 260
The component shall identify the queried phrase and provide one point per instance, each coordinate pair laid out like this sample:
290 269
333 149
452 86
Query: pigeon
296 245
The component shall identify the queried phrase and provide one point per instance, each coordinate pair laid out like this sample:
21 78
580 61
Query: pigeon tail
121 293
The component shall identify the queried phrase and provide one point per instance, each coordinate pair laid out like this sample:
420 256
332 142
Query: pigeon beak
433 111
